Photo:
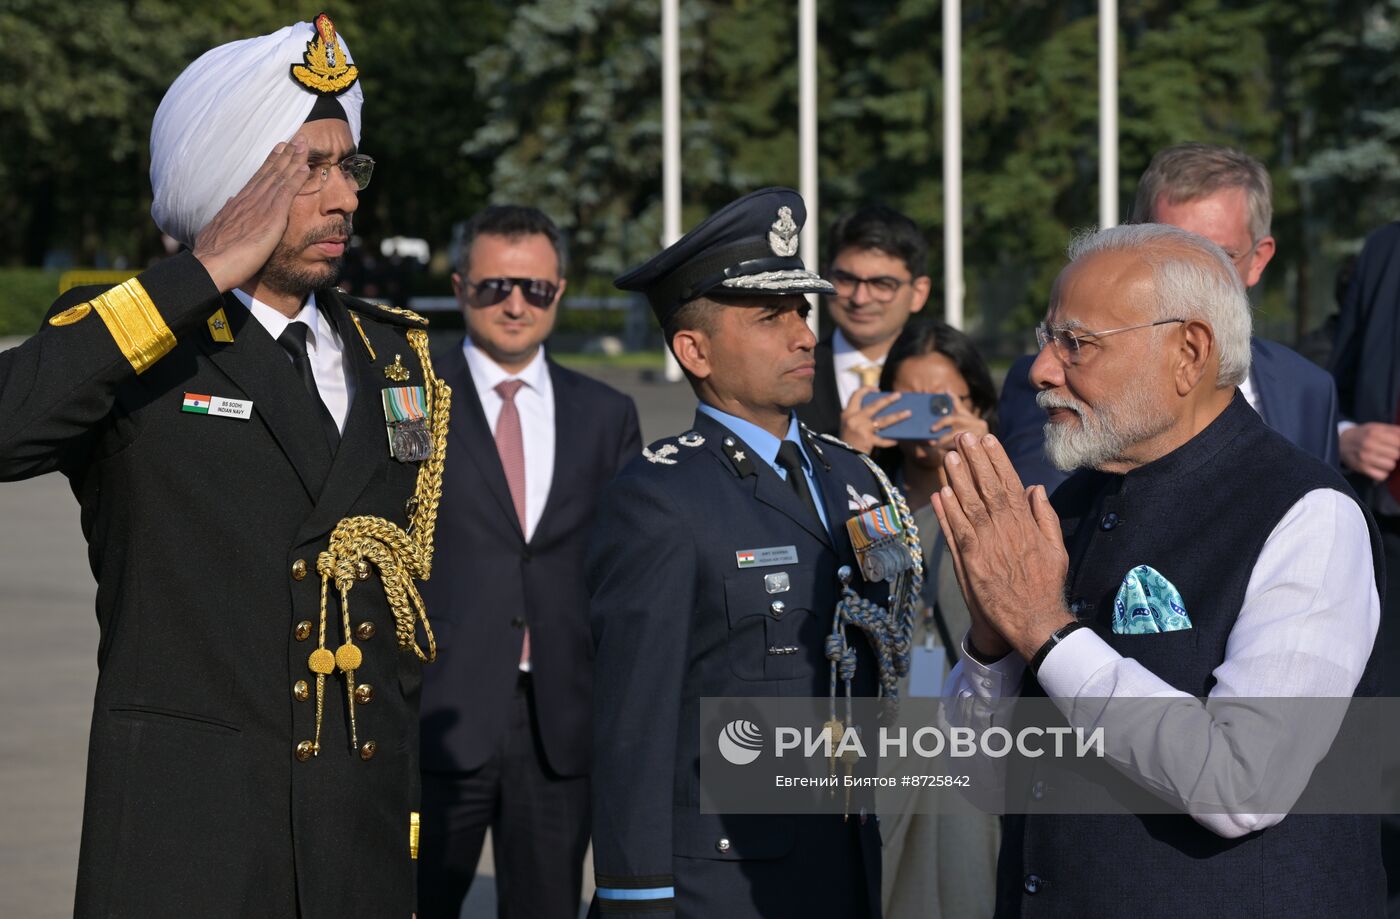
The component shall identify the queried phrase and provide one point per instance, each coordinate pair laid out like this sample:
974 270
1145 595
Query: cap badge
325 69
782 238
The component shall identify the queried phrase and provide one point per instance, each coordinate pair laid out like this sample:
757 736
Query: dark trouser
538 821
1388 649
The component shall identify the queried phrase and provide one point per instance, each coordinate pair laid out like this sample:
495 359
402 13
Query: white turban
222 117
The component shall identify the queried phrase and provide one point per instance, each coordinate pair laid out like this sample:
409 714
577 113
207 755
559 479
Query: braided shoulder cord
401 556
890 631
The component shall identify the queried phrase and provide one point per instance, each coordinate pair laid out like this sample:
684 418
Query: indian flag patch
218 406
745 558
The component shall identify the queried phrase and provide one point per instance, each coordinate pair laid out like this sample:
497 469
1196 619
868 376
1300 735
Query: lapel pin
218 327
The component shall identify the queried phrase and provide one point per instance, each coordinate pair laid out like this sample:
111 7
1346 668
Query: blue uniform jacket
674 620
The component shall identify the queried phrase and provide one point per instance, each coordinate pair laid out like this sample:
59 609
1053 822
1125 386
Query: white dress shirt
324 350
1305 630
535 402
845 359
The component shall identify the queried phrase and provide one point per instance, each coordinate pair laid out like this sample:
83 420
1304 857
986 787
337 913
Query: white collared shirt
535 402
846 358
324 350
1305 630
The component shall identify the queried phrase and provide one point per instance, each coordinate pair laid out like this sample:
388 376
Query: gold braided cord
401 556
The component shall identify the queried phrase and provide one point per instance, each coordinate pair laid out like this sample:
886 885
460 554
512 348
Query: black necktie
790 458
293 339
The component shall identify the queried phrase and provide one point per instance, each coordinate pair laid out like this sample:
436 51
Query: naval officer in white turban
254 533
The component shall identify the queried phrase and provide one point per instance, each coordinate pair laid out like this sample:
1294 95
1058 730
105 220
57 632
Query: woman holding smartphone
937 865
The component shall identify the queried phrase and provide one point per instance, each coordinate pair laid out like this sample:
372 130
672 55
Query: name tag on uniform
200 404
763 558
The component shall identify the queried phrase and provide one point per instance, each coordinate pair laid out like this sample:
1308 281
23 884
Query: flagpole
1108 113
952 165
670 141
807 138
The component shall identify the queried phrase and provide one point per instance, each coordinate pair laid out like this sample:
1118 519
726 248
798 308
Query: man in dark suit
714 571
507 713
1364 363
878 266
1226 196
253 532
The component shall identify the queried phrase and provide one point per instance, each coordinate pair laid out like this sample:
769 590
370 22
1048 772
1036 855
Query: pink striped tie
510 445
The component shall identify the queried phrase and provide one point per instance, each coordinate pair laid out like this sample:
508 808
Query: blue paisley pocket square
1148 603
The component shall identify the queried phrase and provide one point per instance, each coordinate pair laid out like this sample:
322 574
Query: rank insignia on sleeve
406 418
324 69
71 315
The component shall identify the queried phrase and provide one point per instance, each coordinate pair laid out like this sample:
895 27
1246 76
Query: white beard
1104 435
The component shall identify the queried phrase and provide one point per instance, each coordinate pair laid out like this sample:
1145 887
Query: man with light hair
1195 554
258 460
1226 196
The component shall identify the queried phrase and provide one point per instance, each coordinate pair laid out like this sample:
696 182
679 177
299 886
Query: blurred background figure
937 866
1227 197
1368 384
507 709
878 262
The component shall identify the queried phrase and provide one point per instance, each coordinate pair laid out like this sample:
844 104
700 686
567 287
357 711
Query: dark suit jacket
1295 396
490 583
823 413
196 804
1366 358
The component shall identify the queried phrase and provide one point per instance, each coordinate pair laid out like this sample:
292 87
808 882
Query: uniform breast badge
877 536
406 418
396 371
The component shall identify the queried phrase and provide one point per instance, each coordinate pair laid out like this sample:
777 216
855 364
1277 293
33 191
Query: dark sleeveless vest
1200 516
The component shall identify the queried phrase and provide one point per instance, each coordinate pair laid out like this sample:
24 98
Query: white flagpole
1108 113
671 141
952 164
807 136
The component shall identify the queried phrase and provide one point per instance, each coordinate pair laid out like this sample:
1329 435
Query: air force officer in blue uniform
678 616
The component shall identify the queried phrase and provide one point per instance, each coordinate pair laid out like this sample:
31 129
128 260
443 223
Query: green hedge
25 295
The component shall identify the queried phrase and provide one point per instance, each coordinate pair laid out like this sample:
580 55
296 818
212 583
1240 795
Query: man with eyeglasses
878 265
507 713
1194 555
1226 196
257 457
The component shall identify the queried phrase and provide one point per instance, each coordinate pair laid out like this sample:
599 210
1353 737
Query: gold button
364 631
304 750
367 749
300 690
299 569
364 694
303 630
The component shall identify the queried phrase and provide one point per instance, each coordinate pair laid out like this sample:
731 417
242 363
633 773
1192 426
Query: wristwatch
1055 638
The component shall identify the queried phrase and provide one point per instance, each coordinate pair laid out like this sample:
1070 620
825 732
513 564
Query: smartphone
927 409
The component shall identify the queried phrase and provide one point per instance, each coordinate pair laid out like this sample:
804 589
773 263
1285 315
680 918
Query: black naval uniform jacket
203 534
675 620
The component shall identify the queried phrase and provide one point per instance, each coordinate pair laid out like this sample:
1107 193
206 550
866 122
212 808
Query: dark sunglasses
537 292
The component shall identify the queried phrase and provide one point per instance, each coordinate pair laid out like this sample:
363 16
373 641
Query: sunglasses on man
537 292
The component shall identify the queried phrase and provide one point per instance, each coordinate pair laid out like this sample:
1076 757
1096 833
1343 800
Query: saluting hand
1007 549
236 244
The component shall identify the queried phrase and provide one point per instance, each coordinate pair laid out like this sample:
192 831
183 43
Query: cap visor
787 281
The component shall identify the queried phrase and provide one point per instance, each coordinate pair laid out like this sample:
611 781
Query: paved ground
48 671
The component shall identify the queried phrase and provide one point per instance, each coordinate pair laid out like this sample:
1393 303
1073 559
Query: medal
406 420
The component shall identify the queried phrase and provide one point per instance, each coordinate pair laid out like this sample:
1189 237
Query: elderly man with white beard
1194 555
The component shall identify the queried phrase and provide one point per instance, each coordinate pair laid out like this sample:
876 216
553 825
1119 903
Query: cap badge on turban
782 238
326 71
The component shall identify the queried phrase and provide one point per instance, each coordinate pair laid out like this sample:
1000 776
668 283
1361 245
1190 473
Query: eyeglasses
357 169
882 289
537 292
1066 341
